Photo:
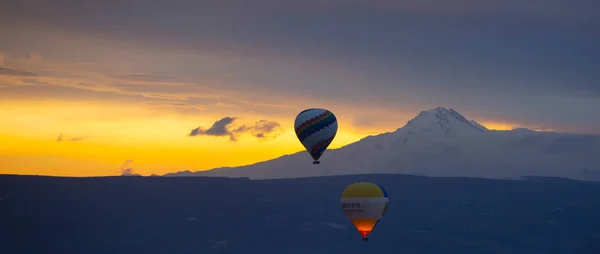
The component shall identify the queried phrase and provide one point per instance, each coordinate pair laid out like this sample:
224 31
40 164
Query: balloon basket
365 239
316 162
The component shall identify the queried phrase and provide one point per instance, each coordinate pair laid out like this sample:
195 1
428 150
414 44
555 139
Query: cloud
175 104
126 168
151 90
373 56
127 171
145 77
63 73
265 129
63 138
222 127
14 72
226 105
262 129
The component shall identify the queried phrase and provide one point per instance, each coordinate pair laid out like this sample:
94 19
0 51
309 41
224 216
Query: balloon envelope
316 128
364 204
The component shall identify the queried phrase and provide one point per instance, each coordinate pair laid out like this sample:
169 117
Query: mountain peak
444 118
439 142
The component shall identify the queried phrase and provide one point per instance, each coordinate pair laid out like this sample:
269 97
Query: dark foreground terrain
145 215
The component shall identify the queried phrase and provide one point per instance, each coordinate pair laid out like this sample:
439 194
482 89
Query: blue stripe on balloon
316 127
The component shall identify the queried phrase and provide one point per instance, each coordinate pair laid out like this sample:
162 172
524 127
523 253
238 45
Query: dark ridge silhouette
177 215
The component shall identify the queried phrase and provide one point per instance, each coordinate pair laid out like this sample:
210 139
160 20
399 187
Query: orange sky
107 135
109 104
154 138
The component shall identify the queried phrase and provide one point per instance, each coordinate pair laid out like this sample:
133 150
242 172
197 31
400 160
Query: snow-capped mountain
441 142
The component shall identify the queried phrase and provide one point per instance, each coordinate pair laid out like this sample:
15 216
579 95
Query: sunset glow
82 94
96 138
498 126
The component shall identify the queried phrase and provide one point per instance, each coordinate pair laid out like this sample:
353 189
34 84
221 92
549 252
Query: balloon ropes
364 203
316 129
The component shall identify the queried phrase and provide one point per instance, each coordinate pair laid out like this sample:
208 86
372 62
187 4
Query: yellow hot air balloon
364 204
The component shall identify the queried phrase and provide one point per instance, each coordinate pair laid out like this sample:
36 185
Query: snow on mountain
479 126
440 142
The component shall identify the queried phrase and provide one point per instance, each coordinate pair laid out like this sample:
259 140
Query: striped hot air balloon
316 128
364 204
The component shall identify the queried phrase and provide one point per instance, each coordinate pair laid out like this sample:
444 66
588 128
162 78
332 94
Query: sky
91 88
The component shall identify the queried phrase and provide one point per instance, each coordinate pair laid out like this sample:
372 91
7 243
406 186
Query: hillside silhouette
178 215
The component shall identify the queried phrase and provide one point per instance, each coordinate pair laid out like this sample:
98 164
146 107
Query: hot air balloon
364 204
316 128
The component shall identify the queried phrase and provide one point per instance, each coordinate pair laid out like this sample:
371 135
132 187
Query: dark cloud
156 12
222 127
63 138
262 129
474 47
15 72
533 62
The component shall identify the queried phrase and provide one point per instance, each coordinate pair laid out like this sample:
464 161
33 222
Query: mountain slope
441 142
